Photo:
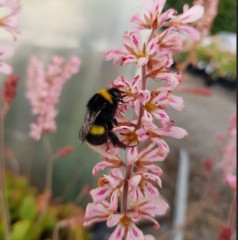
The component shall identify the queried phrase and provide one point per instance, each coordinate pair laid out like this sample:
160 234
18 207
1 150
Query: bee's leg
115 121
115 140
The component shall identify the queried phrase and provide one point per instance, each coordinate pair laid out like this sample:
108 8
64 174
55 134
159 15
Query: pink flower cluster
133 182
44 87
228 162
10 23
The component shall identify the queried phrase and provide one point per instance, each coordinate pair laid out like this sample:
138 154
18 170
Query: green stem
50 164
4 203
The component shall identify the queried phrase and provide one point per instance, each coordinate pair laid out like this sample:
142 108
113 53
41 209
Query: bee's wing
87 124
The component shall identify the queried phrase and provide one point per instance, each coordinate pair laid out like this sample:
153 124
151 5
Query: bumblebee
100 119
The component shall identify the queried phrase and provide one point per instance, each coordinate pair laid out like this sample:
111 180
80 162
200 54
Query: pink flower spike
44 87
5 52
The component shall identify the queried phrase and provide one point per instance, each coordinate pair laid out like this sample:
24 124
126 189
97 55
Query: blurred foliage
31 220
226 18
222 63
224 21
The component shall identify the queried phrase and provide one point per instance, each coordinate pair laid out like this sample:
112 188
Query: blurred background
88 29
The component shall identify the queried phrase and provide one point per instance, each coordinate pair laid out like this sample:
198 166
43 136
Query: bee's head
115 93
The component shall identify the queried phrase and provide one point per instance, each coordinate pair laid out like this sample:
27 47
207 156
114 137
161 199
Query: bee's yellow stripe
105 94
97 130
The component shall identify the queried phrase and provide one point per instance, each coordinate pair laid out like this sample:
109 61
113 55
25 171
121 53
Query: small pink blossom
131 136
10 22
125 228
6 51
134 50
170 40
153 106
142 185
146 159
149 18
111 160
98 212
107 185
189 15
129 89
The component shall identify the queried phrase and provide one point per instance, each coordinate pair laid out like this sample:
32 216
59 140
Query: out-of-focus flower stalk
9 22
44 87
4 204
6 98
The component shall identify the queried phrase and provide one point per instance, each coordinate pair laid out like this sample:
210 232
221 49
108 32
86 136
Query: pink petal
132 154
118 233
191 32
134 181
176 102
161 115
151 46
6 51
100 193
5 68
150 191
192 14
113 220
100 166
155 169
135 233
178 132
156 207
144 96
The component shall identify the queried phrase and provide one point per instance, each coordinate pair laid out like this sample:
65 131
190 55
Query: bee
100 119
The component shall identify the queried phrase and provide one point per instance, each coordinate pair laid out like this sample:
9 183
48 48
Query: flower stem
143 77
50 163
232 213
125 189
4 204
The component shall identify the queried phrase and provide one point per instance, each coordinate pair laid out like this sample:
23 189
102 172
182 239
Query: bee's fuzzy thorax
106 95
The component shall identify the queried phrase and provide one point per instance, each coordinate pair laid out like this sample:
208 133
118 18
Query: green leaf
28 208
20 230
